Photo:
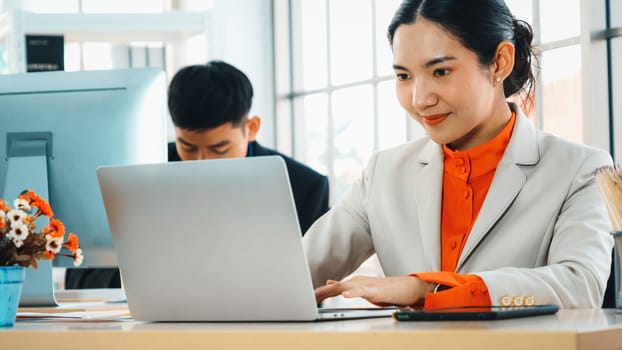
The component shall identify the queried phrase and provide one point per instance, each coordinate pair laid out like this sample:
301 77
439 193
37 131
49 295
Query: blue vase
11 280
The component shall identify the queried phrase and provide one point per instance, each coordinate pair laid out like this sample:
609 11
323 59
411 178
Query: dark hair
208 95
480 25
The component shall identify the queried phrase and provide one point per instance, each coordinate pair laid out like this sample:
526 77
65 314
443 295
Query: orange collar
481 159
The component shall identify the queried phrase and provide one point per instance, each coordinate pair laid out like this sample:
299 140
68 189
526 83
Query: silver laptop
214 240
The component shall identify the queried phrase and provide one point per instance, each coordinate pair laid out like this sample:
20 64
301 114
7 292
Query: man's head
209 106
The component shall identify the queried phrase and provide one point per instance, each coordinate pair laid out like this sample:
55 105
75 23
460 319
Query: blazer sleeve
579 253
340 240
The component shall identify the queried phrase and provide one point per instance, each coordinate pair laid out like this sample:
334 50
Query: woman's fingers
327 291
402 290
351 288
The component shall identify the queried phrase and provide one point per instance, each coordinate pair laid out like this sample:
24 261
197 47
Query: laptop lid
214 240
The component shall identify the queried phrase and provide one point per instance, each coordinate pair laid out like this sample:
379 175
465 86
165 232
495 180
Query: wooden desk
569 329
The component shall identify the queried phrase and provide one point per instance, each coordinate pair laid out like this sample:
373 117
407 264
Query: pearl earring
498 79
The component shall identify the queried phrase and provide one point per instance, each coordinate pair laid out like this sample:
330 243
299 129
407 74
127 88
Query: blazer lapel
428 181
507 183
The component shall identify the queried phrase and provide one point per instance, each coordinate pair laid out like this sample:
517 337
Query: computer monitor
56 128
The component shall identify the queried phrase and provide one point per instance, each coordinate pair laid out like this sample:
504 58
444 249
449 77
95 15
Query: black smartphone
469 313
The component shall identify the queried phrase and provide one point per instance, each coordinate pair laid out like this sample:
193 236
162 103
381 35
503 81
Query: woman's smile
434 119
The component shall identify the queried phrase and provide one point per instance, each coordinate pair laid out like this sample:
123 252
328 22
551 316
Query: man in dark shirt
209 106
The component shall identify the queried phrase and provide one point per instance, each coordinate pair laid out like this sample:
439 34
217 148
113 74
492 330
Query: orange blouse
467 177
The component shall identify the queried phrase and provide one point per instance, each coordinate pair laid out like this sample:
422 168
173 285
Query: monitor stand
27 155
38 288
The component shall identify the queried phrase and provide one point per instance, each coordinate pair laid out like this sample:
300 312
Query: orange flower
28 196
31 195
3 205
2 223
49 255
72 242
44 207
40 203
57 229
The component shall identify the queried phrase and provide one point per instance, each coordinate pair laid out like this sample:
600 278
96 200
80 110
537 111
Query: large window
340 92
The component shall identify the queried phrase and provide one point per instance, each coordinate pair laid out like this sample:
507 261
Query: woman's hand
382 291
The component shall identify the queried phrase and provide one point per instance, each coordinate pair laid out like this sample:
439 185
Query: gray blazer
542 231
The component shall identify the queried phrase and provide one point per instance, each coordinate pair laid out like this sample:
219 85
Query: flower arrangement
21 245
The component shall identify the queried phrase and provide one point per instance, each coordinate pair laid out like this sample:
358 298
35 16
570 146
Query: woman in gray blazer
541 235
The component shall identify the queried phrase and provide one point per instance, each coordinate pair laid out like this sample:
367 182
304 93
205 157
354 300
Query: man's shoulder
294 167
